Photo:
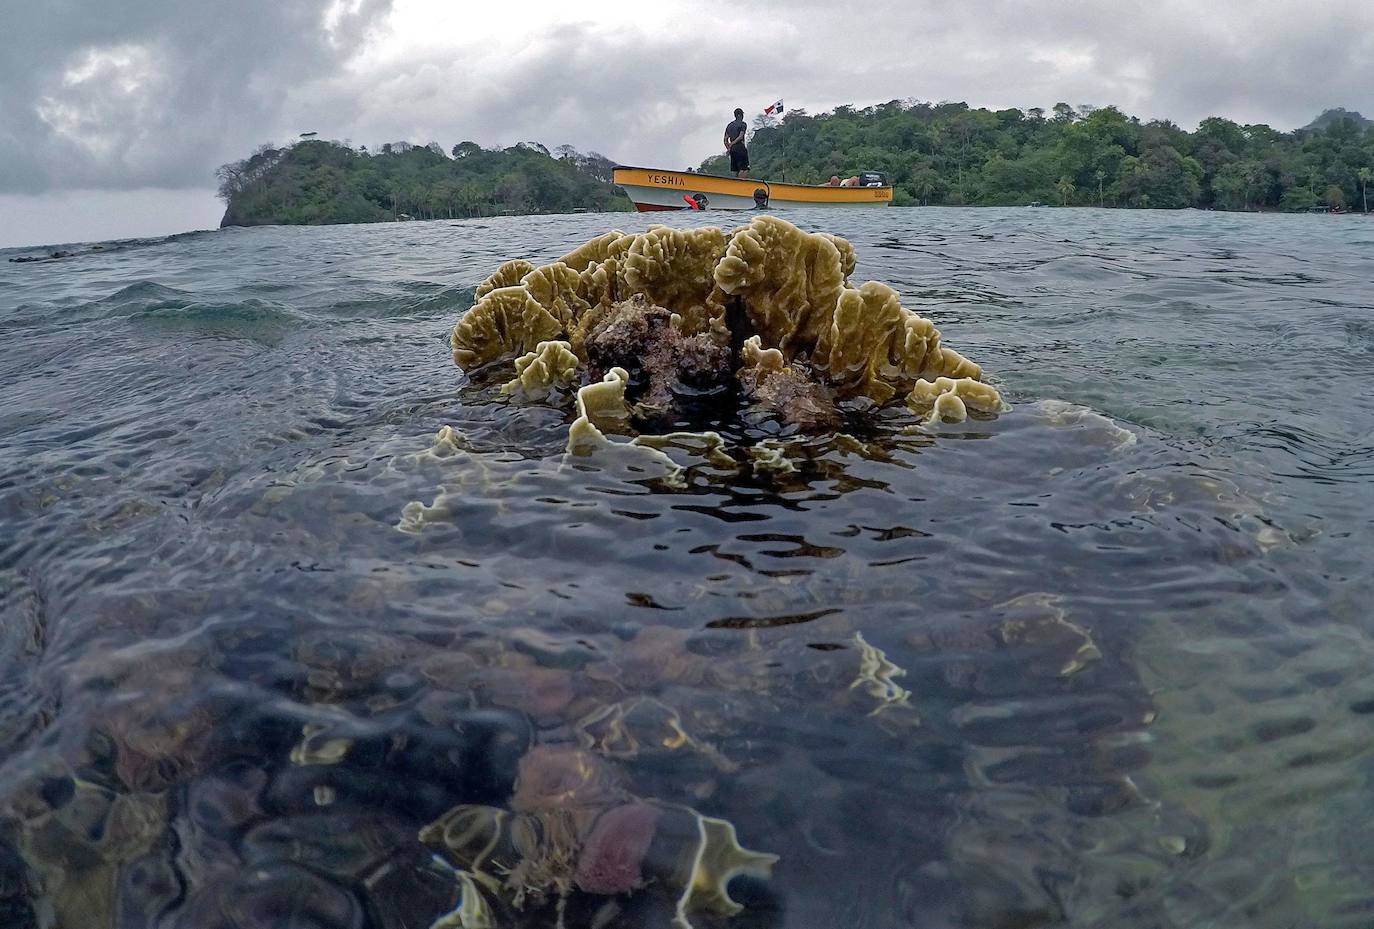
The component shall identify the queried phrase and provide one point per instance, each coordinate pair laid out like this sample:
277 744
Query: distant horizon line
153 239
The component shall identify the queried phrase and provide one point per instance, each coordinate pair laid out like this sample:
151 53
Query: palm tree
1365 174
1101 176
1065 188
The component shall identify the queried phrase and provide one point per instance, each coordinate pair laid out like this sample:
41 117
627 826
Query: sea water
1101 660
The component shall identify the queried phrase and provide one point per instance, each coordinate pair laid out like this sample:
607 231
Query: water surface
1124 626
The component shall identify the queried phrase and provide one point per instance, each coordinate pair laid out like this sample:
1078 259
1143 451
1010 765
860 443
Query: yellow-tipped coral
856 348
674 269
551 366
848 260
600 288
603 404
678 310
505 321
922 355
789 281
950 399
877 676
599 404
555 288
508 275
757 362
604 246
794 289
770 457
719 858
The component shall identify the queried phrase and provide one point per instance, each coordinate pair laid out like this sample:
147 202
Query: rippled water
1102 660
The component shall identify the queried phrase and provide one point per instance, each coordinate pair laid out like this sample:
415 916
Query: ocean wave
73 250
407 301
257 320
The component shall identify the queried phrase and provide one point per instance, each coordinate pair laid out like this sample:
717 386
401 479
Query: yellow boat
659 189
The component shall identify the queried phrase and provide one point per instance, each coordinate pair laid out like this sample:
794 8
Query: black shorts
739 158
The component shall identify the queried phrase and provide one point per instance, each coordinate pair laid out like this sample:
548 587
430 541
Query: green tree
1065 188
1231 186
1161 178
1297 200
1223 132
327 182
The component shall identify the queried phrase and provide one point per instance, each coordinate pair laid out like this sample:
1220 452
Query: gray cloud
634 98
1277 61
158 93
155 92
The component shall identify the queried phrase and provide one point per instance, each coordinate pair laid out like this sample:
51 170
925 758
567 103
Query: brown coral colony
690 314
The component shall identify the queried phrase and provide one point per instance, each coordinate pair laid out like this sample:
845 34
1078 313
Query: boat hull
653 189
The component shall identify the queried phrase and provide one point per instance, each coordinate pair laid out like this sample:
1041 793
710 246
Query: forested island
947 153
932 153
318 182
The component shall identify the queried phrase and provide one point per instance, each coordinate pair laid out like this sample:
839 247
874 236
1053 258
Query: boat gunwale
770 186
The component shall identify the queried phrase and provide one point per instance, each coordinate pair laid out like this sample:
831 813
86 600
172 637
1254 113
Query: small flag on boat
774 110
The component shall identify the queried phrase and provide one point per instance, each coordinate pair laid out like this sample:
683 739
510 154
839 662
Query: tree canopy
945 153
948 153
330 182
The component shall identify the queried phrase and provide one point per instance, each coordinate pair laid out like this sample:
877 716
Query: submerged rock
283 896
612 859
551 366
51 256
664 364
787 391
560 776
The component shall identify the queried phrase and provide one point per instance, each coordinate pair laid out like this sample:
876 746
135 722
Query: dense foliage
941 153
951 154
330 182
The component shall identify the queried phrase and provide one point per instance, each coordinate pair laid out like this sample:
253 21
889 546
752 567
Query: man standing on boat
734 144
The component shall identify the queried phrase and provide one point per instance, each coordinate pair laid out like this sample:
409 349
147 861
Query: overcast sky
114 114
